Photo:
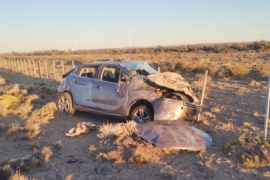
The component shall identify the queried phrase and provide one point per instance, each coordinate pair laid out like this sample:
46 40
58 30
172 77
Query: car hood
173 81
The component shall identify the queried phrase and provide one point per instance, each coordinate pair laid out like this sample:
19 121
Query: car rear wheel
65 104
141 114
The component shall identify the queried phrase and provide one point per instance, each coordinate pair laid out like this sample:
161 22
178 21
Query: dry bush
8 104
239 70
2 81
69 177
46 153
252 151
197 66
200 77
44 114
123 129
254 83
264 70
241 91
167 172
33 129
92 148
26 107
57 146
213 69
14 90
10 167
15 127
18 176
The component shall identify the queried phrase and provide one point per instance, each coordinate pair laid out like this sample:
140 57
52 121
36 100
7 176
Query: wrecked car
127 89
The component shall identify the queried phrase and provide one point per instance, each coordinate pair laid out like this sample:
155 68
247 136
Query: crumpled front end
172 109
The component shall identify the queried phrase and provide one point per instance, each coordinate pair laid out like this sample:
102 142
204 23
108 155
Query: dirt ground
232 108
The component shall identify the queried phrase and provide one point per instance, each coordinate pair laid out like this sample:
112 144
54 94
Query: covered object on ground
174 134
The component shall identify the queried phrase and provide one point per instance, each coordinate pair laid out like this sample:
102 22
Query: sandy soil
232 108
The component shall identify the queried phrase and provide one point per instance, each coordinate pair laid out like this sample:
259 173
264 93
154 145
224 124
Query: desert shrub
224 71
44 114
8 104
69 177
33 129
9 168
239 70
123 129
252 151
14 90
15 127
200 77
264 70
18 176
2 81
167 172
213 69
46 153
254 83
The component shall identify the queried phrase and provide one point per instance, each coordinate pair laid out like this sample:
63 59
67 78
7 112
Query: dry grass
264 69
8 104
2 81
44 114
239 70
254 83
33 129
123 129
167 172
92 148
15 127
69 177
252 151
18 176
46 153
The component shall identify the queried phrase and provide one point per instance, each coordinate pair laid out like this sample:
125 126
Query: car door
81 87
109 91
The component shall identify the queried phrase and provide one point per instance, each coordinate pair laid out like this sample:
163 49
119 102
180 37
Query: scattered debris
82 128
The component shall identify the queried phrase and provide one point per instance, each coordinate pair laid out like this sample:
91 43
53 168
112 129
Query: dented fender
172 109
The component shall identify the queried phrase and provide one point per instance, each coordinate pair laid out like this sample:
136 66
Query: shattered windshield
139 68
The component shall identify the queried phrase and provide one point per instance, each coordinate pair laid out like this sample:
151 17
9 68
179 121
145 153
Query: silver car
127 89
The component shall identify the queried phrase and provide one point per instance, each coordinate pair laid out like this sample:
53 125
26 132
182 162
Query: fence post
34 66
39 67
267 109
54 70
25 67
63 68
73 65
29 66
12 65
203 91
15 66
21 65
46 69
6 63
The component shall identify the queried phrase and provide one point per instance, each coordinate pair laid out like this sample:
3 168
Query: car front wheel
141 114
65 104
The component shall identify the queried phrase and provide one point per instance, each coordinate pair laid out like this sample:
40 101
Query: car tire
65 104
142 114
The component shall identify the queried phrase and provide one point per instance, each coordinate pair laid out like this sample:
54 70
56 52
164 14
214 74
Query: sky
37 25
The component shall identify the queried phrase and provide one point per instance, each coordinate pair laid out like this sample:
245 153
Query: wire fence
38 68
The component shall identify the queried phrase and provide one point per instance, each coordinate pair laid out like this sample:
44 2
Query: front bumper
172 109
